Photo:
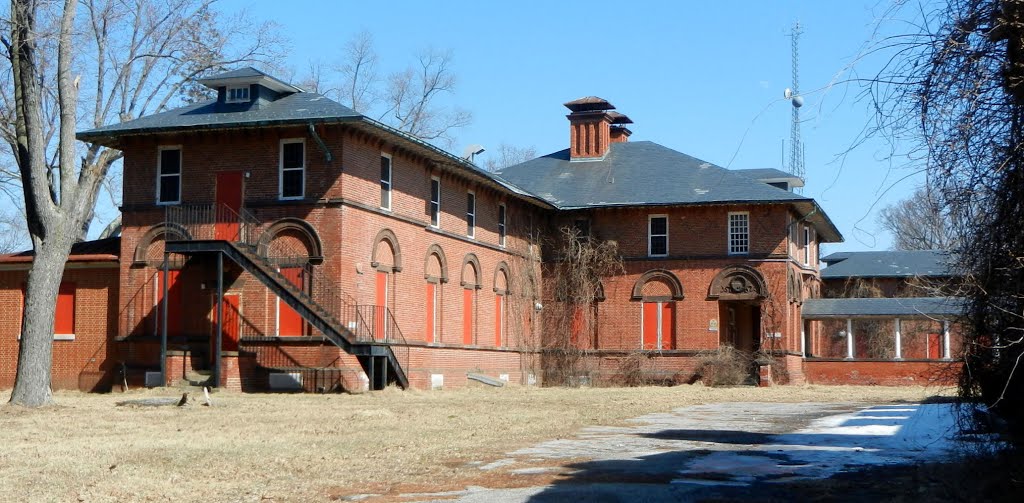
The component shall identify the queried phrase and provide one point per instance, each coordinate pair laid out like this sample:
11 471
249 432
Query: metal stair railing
358 324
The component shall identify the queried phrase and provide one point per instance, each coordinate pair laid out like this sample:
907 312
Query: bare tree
410 100
12 233
125 61
954 88
919 222
509 155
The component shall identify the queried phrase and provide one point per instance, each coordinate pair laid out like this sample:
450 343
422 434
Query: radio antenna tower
796 147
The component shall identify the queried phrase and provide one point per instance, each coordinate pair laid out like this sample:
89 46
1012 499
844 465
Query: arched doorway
739 290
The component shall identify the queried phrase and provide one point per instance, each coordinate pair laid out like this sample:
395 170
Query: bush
725 366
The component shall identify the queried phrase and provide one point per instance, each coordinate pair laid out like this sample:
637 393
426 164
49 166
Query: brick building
300 244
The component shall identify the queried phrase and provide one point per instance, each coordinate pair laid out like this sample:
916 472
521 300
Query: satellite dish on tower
787 94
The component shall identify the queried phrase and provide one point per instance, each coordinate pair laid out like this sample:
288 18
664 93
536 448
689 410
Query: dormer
246 89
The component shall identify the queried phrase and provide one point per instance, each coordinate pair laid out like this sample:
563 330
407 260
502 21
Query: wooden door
232 323
380 312
228 205
667 324
499 319
174 298
650 325
430 330
289 323
467 316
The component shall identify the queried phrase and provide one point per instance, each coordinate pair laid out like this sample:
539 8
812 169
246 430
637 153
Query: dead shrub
724 366
632 372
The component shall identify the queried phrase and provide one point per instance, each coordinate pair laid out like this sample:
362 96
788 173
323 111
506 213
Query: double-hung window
657 235
470 214
168 181
807 245
292 183
739 233
385 181
501 224
435 202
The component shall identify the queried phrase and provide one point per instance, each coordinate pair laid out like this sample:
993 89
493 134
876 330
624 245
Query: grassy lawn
252 447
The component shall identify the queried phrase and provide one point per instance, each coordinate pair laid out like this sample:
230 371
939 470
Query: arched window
658 290
386 259
470 284
501 290
436 274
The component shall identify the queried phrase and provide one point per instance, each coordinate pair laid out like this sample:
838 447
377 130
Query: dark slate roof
97 249
241 73
886 264
765 173
297 108
906 307
644 173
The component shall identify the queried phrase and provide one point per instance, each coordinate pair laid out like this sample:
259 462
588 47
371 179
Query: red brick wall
885 373
87 362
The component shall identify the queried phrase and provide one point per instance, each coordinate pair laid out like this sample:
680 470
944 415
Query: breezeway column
899 341
945 339
849 339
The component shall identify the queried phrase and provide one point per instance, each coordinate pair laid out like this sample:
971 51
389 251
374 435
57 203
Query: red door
380 312
232 323
430 334
229 202
467 316
658 325
650 325
289 323
173 302
499 319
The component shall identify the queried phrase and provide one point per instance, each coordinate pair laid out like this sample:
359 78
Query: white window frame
650 236
389 182
435 205
502 224
733 250
160 175
281 169
807 245
230 97
470 214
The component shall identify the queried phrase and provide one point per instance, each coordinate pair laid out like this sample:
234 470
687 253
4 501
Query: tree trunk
35 353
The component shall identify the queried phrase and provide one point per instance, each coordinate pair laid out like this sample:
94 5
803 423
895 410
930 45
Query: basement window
237 94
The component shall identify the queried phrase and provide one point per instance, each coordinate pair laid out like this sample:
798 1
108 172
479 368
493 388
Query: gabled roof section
886 264
248 75
644 173
297 108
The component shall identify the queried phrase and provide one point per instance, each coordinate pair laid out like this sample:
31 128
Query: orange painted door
667 324
229 202
64 319
231 311
499 319
467 316
289 323
650 324
430 334
380 312
174 297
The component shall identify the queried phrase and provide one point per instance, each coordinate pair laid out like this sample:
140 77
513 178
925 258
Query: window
168 181
64 318
739 233
435 201
237 94
657 235
470 214
292 183
501 225
807 246
385 181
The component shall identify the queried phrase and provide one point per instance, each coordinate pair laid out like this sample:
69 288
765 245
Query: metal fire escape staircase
368 332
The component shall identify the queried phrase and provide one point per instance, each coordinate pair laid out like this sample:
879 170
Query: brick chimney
593 127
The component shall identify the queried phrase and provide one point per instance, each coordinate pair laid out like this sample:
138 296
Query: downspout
319 141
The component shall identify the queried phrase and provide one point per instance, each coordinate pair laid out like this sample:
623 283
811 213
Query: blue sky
704 78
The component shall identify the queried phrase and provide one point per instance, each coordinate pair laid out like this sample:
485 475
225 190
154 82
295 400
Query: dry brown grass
250 447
